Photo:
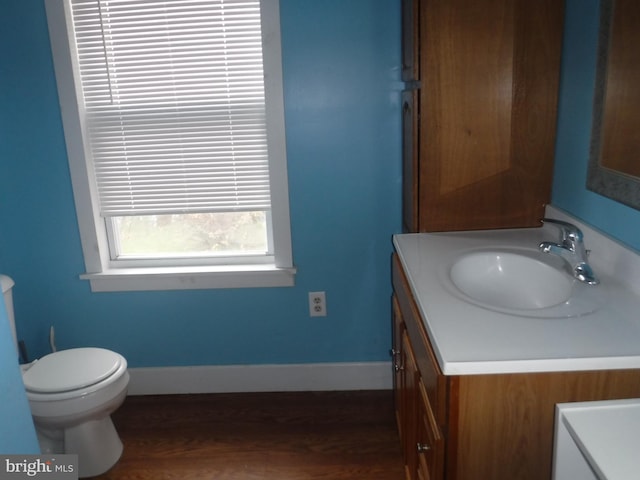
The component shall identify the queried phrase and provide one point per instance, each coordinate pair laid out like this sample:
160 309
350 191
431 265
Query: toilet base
96 442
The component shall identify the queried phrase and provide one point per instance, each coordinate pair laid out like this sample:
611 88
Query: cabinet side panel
506 422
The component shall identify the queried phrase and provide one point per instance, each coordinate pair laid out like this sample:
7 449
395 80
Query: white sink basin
596 328
521 282
510 280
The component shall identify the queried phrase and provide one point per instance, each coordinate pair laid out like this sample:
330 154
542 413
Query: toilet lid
71 370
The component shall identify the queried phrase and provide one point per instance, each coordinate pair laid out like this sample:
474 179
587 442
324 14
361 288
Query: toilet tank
7 285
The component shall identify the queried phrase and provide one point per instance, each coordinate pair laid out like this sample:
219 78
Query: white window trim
101 275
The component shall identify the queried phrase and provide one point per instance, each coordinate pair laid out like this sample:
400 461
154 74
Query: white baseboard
261 378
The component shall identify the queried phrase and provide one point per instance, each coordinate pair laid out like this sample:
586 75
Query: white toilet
72 394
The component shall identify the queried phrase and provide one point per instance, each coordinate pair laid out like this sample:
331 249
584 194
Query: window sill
190 278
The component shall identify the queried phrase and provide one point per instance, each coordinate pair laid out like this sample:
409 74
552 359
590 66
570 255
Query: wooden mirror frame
610 183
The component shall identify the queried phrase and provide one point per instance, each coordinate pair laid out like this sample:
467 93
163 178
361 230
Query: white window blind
173 104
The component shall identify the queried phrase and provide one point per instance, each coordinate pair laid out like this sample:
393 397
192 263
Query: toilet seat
70 370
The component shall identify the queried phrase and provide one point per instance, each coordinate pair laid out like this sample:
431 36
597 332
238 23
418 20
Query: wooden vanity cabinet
489 426
479 112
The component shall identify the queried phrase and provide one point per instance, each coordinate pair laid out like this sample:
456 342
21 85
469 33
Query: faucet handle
568 230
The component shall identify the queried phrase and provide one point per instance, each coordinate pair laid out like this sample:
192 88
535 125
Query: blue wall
574 130
341 73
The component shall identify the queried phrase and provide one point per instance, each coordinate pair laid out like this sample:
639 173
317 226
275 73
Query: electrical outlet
317 304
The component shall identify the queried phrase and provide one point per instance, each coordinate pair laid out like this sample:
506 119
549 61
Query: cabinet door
430 444
420 388
434 381
397 364
410 40
410 394
488 102
410 148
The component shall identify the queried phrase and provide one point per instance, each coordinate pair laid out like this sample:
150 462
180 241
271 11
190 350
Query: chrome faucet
570 248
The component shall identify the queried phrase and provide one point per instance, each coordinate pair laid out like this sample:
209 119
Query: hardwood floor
274 436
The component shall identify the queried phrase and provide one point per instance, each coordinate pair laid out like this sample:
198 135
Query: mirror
614 164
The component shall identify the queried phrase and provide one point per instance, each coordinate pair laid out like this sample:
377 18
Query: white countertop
607 434
469 339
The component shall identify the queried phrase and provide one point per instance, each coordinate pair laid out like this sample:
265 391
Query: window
174 123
